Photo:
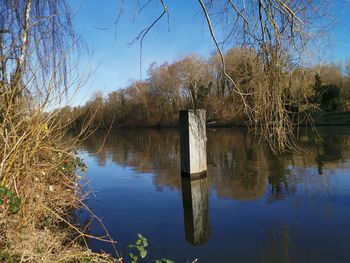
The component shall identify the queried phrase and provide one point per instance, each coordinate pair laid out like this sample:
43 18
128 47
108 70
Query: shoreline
320 120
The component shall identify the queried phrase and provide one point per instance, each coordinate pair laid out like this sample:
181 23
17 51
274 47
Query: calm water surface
252 207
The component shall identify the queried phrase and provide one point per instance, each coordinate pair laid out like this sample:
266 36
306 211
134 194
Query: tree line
194 82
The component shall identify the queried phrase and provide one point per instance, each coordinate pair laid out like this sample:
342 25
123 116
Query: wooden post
193 142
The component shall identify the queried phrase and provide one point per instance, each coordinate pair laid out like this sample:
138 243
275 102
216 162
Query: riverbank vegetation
38 192
193 82
39 188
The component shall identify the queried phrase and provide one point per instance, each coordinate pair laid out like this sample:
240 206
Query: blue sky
115 63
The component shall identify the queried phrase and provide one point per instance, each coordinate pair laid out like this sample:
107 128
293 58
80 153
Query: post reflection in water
196 209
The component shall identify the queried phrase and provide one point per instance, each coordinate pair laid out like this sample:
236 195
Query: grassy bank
38 180
39 191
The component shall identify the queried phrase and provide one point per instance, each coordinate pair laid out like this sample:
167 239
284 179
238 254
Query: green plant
164 260
10 198
73 164
140 245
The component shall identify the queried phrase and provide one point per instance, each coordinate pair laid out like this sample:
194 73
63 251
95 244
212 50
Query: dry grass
37 167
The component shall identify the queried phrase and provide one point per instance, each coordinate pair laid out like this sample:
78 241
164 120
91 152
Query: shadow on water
246 185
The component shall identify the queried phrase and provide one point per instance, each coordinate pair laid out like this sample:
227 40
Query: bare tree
36 49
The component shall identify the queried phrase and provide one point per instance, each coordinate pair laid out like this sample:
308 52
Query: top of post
191 110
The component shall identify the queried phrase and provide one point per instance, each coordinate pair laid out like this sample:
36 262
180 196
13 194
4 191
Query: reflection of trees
279 179
238 167
330 150
236 164
145 150
277 245
290 170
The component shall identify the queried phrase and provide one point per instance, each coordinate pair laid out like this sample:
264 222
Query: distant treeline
193 82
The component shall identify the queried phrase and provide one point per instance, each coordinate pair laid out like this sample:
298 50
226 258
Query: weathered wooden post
193 143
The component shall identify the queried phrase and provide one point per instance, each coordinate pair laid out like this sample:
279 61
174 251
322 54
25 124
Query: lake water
251 207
